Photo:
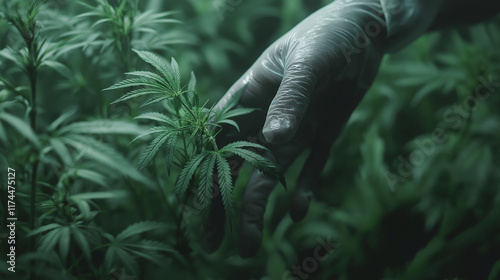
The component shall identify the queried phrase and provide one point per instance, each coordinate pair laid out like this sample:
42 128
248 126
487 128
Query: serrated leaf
152 149
137 82
152 76
155 100
153 130
225 185
259 162
186 174
206 181
127 260
138 93
243 144
176 74
170 149
161 65
154 246
159 117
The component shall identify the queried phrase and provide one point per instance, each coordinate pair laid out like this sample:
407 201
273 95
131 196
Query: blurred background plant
398 204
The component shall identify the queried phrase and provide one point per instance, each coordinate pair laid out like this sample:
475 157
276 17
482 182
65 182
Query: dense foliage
411 190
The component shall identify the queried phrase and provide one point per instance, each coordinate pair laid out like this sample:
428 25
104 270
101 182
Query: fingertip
250 240
278 130
300 206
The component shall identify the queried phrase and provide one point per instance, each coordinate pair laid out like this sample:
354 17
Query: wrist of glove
408 19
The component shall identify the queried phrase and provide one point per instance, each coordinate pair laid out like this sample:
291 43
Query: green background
397 203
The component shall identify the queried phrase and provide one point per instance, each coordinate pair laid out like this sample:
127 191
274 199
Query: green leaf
61 150
192 88
106 155
170 149
153 130
82 242
243 144
151 245
139 228
140 92
186 174
127 260
206 181
150 256
99 195
192 82
64 240
103 127
154 100
235 99
136 82
153 76
21 126
230 122
43 229
238 112
177 74
161 65
62 118
91 176
49 241
257 161
159 117
152 149
151 17
225 185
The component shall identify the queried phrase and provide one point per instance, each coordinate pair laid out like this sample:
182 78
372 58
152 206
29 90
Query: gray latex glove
306 85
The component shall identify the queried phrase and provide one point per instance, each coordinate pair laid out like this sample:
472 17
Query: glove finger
331 124
310 176
255 198
261 81
290 103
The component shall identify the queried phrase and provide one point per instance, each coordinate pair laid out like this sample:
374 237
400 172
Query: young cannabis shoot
187 132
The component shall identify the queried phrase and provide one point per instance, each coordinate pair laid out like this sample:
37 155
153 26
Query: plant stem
32 75
187 107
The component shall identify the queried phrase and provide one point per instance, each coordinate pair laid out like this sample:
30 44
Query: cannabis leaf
187 131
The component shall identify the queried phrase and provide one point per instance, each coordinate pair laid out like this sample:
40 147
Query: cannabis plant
188 131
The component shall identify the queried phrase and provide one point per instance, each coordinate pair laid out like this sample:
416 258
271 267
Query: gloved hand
306 85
